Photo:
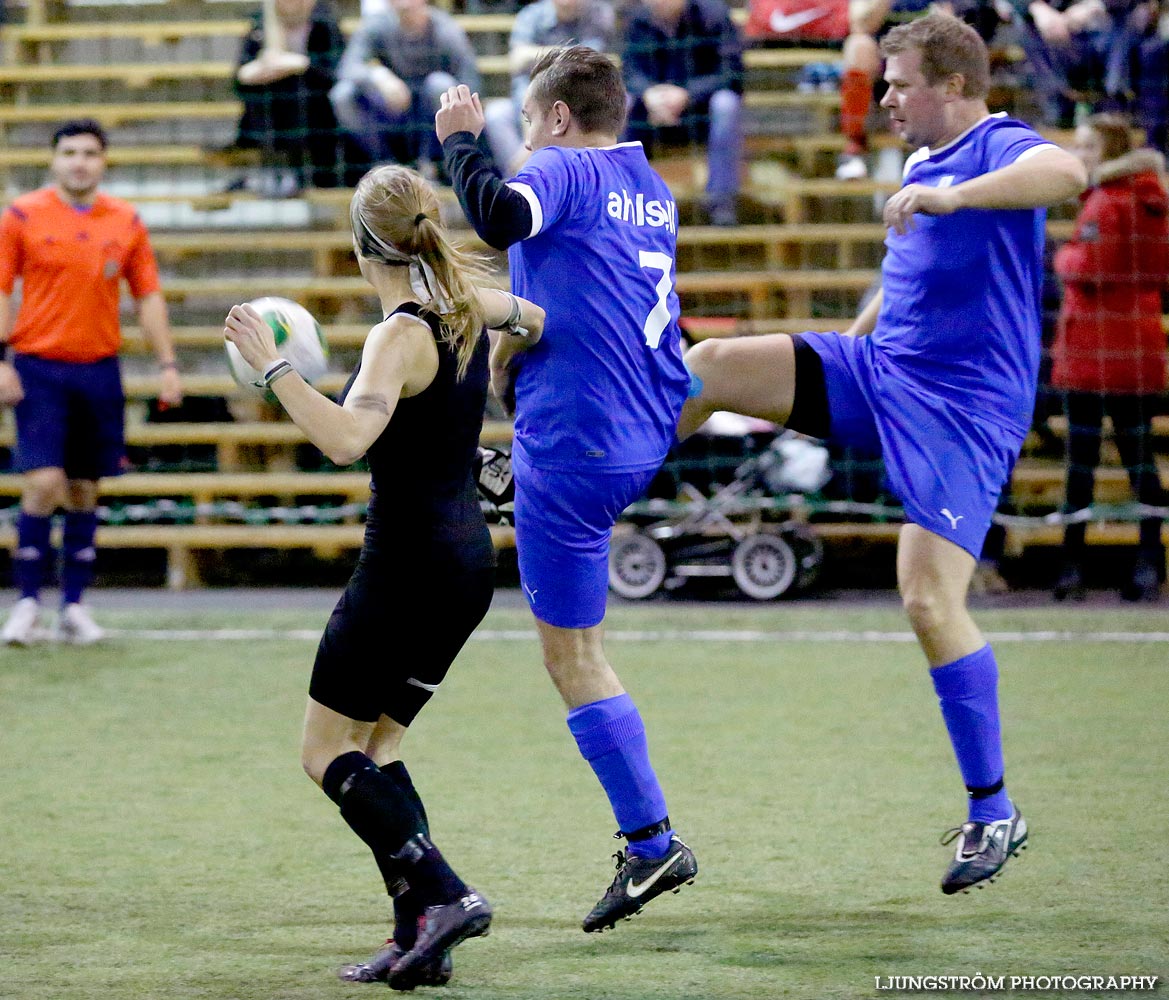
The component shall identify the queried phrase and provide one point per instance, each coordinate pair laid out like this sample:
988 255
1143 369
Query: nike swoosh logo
633 891
783 23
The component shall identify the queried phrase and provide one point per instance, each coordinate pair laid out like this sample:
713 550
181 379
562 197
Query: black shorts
393 636
810 414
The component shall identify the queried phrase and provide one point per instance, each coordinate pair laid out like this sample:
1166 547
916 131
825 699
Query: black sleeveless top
424 508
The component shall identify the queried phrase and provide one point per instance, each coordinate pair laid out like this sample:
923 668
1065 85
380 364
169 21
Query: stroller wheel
763 566
809 550
637 566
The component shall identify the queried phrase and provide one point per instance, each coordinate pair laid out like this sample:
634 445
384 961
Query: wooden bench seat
203 487
759 287
232 441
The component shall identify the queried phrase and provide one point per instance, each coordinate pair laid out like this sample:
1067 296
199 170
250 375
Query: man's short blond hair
947 46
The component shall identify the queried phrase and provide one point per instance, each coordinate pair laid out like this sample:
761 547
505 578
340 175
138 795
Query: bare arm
506 346
399 358
11 391
153 318
866 322
1046 177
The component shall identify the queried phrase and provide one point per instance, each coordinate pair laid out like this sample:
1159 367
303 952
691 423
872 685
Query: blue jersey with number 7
604 386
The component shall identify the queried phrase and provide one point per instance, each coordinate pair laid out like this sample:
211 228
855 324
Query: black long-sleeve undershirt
500 214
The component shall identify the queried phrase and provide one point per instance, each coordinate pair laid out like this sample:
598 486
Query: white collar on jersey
622 145
925 152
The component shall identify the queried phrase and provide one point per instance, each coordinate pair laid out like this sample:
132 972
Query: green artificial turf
158 839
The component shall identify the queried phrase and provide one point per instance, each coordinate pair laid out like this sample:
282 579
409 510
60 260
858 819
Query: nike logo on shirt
781 23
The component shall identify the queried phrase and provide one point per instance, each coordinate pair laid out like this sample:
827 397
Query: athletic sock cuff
966 677
339 774
597 735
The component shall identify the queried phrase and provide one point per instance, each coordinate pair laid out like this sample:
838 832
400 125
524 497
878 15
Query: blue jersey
604 386
961 307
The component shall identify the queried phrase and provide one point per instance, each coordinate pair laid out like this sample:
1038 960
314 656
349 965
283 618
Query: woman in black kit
414 408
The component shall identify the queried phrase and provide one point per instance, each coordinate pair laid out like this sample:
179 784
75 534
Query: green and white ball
299 340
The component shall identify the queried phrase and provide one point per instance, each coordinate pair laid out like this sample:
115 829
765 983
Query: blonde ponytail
396 220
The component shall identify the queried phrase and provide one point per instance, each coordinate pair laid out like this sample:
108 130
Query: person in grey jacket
394 70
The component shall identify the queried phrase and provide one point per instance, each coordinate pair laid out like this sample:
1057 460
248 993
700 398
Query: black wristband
5 352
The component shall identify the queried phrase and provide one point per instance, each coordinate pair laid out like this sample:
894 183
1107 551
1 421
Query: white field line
656 635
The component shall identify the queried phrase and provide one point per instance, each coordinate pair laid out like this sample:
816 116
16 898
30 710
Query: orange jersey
70 261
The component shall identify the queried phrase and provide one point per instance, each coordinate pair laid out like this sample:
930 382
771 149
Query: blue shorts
563 523
947 467
71 417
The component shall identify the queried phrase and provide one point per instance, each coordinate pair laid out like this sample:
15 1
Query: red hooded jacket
1109 336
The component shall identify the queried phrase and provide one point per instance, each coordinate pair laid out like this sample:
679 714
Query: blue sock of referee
382 814
968 694
30 563
78 554
611 737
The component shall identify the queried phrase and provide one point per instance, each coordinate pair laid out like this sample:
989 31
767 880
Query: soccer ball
299 339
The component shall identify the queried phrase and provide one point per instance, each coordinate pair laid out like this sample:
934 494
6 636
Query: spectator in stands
683 67
1109 353
1075 49
414 409
539 27
70 244
395 69
868 21
286 70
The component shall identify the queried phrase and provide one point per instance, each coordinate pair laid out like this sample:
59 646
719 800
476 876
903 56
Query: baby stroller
727 534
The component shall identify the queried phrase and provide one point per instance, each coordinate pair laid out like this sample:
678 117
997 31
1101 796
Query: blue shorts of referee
71 417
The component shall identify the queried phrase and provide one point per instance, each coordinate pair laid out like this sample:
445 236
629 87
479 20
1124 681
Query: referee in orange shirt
70 244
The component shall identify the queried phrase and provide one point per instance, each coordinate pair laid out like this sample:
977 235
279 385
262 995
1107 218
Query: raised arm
399 359
500 214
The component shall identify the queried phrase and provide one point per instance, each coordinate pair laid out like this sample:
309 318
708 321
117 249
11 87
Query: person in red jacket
1109 352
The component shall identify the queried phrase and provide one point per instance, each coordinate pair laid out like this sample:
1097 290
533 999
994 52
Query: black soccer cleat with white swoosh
638 881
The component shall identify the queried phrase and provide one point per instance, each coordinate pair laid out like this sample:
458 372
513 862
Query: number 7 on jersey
659 316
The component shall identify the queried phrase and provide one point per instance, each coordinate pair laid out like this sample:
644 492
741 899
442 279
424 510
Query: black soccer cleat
983 849
442 927
377 968
638 881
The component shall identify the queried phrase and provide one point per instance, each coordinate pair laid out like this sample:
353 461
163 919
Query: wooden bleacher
790 270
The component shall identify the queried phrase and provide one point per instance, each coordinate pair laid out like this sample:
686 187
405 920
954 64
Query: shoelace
620 859
963 831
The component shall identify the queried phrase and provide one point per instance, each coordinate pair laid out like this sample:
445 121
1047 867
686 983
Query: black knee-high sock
384 817
407 907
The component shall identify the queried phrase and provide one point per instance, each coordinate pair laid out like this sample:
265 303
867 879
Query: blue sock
79 554
33 553
611 737
968 694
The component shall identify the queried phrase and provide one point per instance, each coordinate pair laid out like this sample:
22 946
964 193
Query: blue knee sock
79 554
968 694
611 737
33 554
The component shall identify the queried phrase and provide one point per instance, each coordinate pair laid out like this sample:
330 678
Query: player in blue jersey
938 374
591 231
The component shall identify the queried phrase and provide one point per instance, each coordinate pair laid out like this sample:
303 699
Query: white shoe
76 626
852 167
24 623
